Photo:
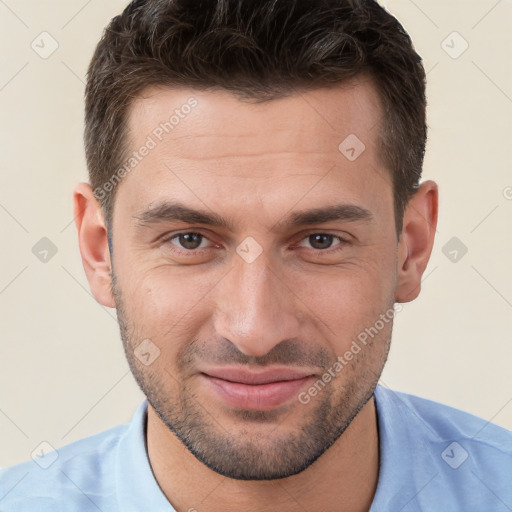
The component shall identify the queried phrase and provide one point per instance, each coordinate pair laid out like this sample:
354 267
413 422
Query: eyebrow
173 211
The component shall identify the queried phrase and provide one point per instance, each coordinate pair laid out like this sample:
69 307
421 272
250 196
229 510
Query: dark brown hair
259 50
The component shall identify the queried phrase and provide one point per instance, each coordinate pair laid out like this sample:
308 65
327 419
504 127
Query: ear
93 242
416 241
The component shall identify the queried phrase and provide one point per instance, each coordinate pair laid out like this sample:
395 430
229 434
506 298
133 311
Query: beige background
63 374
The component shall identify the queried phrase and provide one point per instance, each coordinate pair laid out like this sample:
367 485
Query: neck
343 479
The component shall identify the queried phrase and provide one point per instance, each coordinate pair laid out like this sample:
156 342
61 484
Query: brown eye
189 241
323 241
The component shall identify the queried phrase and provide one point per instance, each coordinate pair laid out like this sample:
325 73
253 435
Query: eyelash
195 252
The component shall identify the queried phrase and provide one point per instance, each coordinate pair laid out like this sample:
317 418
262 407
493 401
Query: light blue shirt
433 458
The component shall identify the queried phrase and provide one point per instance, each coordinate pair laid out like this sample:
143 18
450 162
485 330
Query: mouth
256 390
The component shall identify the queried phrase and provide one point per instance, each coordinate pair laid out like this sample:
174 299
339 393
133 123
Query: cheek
350 289
165 302
165 305
348 300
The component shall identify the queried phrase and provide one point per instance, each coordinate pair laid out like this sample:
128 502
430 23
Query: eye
189 241
323 241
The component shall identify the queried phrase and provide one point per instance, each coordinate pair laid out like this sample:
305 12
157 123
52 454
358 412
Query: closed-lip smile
256 389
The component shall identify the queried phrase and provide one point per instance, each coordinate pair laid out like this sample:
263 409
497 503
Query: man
255 215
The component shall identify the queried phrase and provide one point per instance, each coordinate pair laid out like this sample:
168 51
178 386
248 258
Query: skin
298 304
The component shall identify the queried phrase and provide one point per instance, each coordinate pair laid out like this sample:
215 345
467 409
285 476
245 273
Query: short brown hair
260 50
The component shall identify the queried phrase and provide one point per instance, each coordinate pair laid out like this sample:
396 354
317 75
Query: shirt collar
406 461
137 487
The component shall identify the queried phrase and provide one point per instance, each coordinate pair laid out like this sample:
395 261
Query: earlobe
93 242
416 241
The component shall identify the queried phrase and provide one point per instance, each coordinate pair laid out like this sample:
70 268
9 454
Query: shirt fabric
433 458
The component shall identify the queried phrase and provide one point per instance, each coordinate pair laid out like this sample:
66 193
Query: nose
256 308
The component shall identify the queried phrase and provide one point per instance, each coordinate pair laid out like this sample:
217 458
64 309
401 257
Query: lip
257 389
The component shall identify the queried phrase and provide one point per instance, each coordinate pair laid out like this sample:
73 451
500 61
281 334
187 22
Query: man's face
247 315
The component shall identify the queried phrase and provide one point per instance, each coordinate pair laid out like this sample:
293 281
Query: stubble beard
261 446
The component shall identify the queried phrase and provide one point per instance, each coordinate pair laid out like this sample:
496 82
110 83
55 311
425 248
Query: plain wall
63 373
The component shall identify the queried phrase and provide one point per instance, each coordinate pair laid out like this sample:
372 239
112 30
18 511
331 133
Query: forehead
235 152
312 121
